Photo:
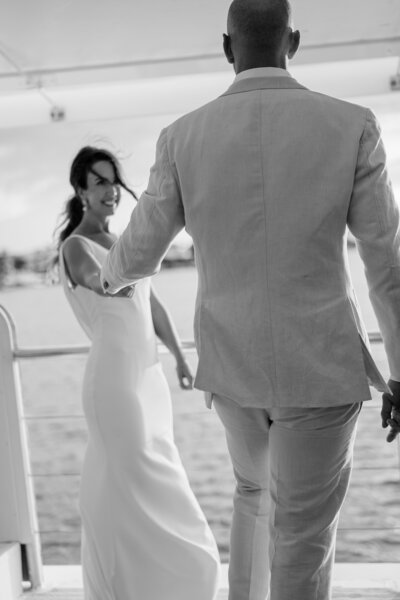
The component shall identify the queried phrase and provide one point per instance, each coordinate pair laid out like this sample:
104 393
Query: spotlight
57 113
395 82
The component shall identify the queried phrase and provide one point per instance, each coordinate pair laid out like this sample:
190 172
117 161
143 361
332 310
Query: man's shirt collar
262 72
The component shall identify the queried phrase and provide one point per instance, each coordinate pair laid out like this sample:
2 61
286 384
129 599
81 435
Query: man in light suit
265 179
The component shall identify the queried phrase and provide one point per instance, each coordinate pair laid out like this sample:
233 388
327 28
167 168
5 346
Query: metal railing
18 515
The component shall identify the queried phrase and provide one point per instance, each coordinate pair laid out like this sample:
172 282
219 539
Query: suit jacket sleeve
373 218
155 221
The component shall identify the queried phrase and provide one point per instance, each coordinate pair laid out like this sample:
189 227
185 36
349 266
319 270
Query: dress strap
88 240
71 284
78 235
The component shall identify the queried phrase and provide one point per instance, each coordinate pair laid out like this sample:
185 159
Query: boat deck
352 581
338 594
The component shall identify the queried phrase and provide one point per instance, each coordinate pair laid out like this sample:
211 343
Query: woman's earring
84 203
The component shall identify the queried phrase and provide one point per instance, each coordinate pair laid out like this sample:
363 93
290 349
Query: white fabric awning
96 59
55 43
66 42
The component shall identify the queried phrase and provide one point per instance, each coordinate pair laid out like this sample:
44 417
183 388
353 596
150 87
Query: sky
35 164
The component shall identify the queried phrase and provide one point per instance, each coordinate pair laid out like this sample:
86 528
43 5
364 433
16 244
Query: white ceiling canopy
54 48
59 42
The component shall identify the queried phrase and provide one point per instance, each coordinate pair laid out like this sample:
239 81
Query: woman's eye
105 182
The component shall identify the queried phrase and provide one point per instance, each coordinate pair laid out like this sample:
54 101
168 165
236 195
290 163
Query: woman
144 535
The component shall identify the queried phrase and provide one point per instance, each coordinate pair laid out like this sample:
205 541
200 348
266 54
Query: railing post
18 517
398 450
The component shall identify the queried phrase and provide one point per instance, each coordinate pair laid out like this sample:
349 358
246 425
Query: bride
144 535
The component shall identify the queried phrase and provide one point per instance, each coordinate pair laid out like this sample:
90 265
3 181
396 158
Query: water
370 519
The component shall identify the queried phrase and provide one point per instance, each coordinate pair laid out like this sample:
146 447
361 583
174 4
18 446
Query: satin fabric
144 535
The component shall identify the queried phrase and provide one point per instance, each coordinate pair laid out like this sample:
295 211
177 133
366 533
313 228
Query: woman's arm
165 330
83 268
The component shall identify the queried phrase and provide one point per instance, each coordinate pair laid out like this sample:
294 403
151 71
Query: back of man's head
259 25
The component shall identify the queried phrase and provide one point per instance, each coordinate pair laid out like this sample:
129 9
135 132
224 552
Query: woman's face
102 193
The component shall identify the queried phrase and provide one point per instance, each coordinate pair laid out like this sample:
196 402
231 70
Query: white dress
144 536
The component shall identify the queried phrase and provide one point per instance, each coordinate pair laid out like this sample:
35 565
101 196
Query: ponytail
71 217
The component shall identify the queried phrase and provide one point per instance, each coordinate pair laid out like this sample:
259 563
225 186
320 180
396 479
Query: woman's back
121 325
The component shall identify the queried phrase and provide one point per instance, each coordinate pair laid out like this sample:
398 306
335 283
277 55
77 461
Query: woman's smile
112 203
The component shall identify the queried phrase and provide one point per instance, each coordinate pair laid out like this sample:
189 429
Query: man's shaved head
259 23
260 34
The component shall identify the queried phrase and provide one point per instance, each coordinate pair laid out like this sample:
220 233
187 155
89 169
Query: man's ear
294 43
228 49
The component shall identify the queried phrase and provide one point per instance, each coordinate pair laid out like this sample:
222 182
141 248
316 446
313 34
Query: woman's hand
165 330
184 373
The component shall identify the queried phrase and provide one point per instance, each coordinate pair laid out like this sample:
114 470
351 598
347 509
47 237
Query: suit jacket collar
263 83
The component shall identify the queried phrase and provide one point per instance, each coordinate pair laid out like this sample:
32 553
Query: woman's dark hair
80 167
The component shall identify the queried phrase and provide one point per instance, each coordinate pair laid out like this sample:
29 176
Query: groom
265 179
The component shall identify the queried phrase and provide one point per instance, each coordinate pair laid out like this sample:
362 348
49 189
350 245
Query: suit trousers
292 468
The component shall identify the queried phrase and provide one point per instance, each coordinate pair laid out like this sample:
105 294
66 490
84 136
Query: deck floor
338 594
351 581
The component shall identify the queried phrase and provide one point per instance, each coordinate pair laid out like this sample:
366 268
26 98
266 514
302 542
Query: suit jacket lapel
263 83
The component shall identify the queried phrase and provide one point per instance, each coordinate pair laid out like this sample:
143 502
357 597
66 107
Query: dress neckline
72 285
89 239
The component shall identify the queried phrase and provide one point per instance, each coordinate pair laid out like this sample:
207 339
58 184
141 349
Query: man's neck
260 62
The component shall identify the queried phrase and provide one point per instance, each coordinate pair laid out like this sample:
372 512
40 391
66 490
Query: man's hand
390 412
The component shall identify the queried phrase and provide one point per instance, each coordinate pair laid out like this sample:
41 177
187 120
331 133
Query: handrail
18 515
339 528
49 351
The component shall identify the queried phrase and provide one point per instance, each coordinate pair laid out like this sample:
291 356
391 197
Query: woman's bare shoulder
75 247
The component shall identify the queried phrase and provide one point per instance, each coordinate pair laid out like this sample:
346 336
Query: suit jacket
265 179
